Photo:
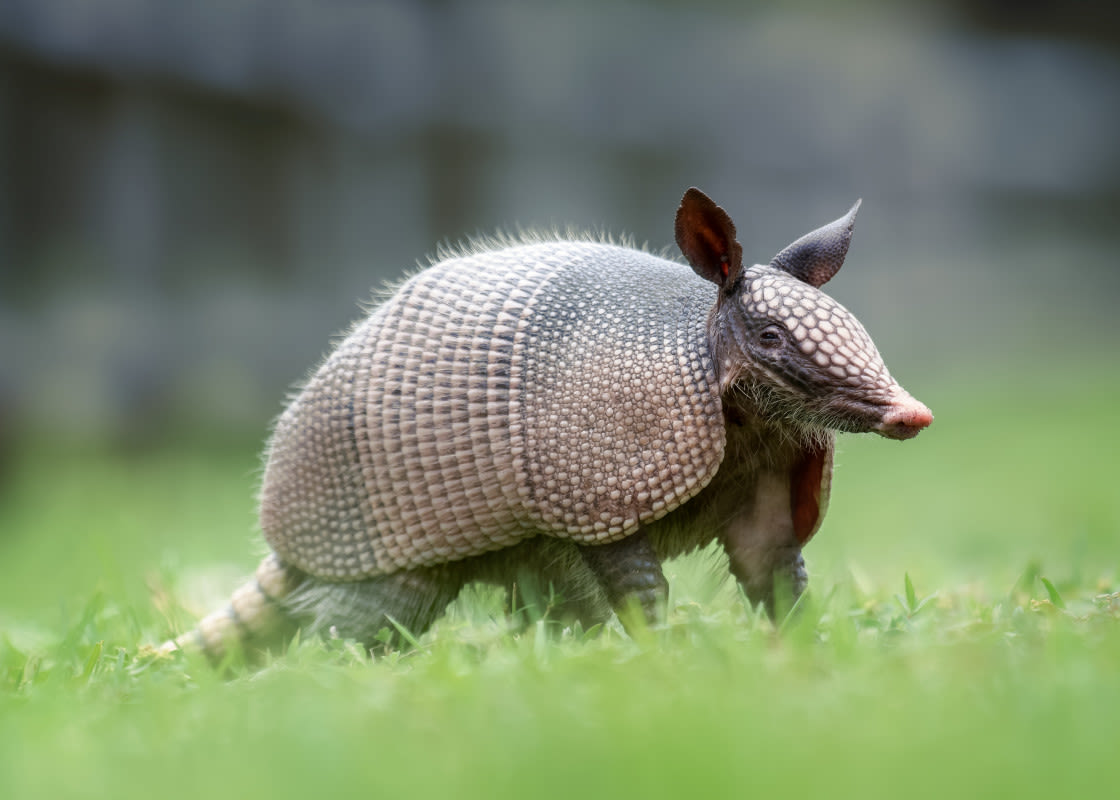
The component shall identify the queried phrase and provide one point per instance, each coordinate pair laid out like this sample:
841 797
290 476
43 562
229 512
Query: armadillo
570 412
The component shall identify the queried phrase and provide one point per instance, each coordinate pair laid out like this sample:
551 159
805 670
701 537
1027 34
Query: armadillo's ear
706 236
817 256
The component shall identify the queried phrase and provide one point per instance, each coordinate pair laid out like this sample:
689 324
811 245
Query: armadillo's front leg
630 574
763 547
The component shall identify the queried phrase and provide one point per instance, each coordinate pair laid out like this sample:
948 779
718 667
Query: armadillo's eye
770 337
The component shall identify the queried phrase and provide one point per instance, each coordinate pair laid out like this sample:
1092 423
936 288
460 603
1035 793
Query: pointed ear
817 256
706 236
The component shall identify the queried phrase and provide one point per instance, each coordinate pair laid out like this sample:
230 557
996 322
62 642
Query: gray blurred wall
194 197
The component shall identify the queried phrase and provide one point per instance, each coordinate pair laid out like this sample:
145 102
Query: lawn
961 638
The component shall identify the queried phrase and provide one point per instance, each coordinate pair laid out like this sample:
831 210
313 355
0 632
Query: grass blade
405 633
1055 598
911 595
91 661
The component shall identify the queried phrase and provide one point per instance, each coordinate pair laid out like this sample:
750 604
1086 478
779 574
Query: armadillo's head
796 352
812 359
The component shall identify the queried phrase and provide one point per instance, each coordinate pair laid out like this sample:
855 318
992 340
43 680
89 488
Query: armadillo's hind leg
373 611
254 618
630 574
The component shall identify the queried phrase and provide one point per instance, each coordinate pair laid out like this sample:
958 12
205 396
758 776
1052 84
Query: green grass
962 638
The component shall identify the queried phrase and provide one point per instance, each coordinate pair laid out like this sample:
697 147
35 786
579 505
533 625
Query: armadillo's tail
255 615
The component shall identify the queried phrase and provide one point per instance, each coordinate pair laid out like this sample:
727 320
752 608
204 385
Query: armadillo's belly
540 389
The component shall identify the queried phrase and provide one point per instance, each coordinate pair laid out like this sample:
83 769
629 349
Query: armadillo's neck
759 421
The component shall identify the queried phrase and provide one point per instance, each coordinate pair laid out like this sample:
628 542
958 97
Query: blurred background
196 197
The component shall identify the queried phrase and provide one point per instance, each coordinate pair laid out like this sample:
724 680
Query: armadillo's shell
560 388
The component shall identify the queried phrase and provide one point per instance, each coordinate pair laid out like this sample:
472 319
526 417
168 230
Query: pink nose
905 419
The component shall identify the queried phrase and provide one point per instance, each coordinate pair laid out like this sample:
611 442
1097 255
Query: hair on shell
482 243
502 239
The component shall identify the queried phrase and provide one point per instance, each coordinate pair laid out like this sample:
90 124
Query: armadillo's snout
904 419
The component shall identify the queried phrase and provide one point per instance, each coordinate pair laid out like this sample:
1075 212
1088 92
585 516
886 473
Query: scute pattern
559 388
823 329
620 407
